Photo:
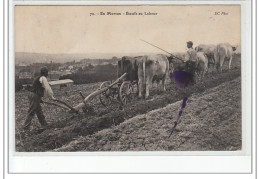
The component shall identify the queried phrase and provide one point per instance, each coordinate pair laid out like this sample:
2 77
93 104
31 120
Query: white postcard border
139 162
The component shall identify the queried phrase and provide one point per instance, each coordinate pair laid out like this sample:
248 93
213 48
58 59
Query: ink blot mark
179 116
184 81
182 78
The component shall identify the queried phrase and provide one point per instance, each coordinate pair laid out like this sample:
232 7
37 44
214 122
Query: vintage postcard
128 78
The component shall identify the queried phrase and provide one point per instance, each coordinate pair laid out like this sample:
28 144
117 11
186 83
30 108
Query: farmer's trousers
34 108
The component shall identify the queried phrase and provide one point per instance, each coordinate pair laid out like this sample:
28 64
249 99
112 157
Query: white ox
201 62
151 68
224 52
210 51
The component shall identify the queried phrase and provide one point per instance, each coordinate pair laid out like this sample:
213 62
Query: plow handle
71 108
55 104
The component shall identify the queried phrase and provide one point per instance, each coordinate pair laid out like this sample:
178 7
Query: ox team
147 69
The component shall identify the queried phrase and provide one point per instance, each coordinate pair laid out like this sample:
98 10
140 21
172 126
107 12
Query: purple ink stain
184 102
184 81
182 78
179 116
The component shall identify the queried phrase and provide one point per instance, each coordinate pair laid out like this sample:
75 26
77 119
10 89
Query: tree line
84 75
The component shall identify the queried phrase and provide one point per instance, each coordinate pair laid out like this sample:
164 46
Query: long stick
160 49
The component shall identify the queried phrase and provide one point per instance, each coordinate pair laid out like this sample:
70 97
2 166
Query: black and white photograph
127 78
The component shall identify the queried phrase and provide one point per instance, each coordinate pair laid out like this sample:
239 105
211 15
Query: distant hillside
24 58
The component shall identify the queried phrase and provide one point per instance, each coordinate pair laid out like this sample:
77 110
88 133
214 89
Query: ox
176 62
224 52
128 65
210 51
182 72
151 68
201 63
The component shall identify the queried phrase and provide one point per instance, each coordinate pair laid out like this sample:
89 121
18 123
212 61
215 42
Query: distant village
59 70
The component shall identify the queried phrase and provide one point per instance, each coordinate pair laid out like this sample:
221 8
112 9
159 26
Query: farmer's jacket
41 85
191 54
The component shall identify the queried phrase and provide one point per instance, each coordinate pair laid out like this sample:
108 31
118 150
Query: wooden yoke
99 91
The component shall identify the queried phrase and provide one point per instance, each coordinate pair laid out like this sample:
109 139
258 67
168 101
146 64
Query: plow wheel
126 92
105 98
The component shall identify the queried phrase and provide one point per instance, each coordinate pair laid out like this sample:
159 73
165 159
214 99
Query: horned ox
224 52
128 65
151 68
210 51
201 62
176 62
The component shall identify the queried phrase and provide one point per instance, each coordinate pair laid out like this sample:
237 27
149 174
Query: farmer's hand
170 57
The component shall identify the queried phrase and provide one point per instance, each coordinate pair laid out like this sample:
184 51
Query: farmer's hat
44 69
190 42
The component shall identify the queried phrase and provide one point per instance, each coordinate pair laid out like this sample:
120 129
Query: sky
71 29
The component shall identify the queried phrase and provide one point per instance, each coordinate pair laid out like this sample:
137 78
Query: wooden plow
120 89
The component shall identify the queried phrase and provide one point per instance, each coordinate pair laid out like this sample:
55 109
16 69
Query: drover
40 84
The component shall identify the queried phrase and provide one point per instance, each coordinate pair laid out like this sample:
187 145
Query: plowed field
210 121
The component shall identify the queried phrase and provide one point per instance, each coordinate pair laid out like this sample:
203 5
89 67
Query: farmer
190 54
40 84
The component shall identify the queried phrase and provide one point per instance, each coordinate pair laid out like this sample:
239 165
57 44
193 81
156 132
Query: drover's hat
190 42
44 69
